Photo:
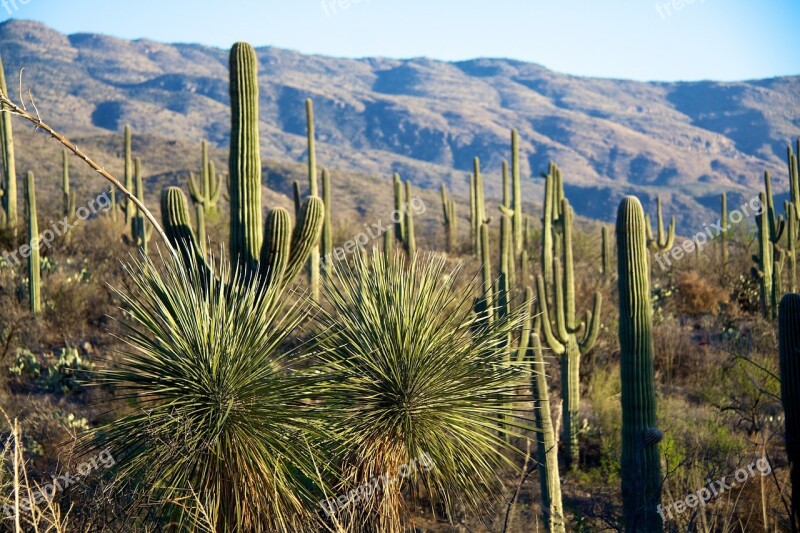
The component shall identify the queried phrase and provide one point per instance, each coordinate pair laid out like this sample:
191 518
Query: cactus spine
313 260
34 262
9 161
245 159
450 221
562 335
641 468
547 448
789 349
663 241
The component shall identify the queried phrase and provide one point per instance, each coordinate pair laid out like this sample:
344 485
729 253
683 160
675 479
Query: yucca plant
215 406
411 376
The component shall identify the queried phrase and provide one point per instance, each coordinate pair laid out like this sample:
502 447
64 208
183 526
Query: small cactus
206 193
34 261
664 240
450 221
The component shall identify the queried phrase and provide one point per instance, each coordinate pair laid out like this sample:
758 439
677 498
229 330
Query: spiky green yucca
411 374
215 406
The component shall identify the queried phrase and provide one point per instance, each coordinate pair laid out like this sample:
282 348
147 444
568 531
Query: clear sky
635 39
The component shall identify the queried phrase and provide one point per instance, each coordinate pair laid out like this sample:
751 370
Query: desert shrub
696 295
60 373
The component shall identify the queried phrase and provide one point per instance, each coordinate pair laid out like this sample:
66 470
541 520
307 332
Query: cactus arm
486 272
516 187
194 191
216 184
411 241
527 328
327 227
554 343
592 323
400 226
561 323
275 250
305 236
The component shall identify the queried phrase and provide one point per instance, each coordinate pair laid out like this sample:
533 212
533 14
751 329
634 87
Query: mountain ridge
427 119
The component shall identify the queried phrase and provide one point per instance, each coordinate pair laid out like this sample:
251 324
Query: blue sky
635 39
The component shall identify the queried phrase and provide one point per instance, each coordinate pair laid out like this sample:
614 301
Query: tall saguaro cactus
245 159
641 468
546 445
280 255
562 334
399 203
34 262
479 210
450 221
313 188
789 348
769 261
9 161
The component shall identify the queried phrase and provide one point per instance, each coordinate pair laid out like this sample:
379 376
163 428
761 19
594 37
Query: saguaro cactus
791 244
313 260
130 207
450 220
769 261
200 213
399 204
34 262
9 161
605 253
553 194
789 348
245 159
664 240
546 445
140 231
516 187
411 240
641 468
480 205
327 227
280 256
562 335
206 193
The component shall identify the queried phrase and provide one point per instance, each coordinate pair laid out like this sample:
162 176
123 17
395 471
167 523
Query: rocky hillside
423 118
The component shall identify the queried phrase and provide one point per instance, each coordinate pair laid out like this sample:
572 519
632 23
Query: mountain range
423 118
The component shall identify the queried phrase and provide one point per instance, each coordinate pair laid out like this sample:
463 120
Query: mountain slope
427 119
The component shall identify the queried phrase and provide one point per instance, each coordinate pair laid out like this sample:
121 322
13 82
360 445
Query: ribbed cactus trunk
641 467
724 236
245 159
480 206
399 202
130 207
411 239
474 228
516 187
547 228
9 162
546 445
763 270
313 187
327 225
34 261
789 349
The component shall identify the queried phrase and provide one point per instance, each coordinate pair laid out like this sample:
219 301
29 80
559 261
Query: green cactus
399 202
313 187
202 238
388 241
178 226
553 194
9 161
480 205
411 241
663 241
562 336
789 349
130 207
641 467
606 254
764 262
296 197
474 229
724 237
327 227
67 197
34 261
140 230
546 444
206 193
484 305
245 159
794 177
791 245
450 221
516 187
